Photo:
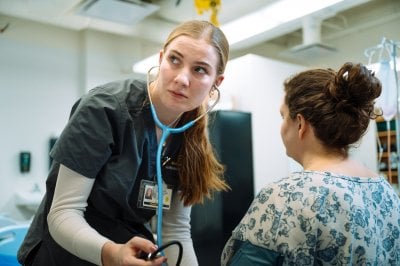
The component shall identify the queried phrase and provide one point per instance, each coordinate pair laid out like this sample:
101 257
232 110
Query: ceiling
67 13
345 17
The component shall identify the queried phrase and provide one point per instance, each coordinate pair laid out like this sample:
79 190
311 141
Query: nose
183 77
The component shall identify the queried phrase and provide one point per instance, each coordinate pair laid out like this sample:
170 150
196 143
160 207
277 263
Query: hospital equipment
11 237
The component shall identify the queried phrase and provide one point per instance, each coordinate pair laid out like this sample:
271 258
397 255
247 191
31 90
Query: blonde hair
200 172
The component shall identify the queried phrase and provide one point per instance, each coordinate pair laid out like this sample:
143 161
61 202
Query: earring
212 91
215 95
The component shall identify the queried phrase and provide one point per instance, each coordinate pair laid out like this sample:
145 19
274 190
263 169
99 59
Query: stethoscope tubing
166 131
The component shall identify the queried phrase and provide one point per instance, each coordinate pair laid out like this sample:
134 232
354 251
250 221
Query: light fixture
271 16
312 45
122 11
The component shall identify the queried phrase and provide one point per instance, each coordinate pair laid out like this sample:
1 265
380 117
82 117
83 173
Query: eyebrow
202 63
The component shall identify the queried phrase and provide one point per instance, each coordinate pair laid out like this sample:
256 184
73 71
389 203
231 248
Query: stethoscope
166 131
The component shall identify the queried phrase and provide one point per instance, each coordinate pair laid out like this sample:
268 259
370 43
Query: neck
324 164
165 116
345 166
323 161
159 130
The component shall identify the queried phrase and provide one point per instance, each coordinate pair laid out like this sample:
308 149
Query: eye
201 70
174 59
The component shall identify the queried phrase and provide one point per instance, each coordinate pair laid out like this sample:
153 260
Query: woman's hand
128 254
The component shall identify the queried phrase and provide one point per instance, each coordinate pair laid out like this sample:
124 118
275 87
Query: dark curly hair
338 105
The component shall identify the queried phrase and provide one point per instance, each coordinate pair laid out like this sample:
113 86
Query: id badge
148 196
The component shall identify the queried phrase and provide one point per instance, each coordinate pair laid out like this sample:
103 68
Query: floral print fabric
319 218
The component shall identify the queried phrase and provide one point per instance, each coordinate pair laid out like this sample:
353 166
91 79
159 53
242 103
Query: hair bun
356 85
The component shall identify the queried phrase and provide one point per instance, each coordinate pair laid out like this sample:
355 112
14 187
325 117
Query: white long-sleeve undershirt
176 226
69 228
66 222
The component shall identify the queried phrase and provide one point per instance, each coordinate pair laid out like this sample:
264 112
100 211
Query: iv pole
392 46
395 46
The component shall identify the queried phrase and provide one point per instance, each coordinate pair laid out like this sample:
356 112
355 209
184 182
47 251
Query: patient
336 211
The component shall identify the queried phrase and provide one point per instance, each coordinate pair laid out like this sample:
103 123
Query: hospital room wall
43 71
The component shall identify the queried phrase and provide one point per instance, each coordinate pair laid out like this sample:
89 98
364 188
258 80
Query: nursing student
94 211
335 211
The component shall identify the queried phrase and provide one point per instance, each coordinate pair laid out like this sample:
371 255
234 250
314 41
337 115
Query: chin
175 107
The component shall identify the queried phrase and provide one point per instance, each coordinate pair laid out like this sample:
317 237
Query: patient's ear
302 125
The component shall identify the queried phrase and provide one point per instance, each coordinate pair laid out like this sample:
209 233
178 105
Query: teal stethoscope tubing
166 131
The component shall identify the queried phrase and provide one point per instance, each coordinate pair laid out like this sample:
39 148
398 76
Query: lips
178 94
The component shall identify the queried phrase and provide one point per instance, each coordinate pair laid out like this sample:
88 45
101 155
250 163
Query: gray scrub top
111 137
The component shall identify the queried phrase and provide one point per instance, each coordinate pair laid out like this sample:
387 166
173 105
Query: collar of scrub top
166 131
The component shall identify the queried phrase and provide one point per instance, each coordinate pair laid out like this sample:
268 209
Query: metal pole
397 117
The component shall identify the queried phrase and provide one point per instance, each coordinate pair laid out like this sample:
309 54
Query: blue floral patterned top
319 218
